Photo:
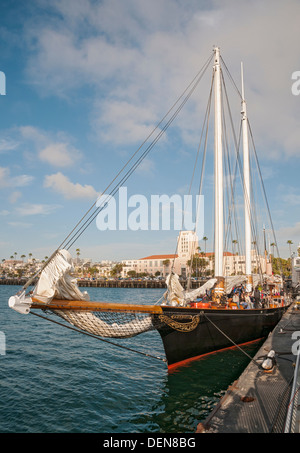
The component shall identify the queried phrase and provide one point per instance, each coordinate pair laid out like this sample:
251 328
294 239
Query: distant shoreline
135 283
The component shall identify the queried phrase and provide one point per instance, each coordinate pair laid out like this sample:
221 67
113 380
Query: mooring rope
228 338
101 339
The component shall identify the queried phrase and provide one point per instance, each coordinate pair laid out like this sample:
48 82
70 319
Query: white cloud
4 177
55 150
293 199
125 122
57 154
34 134
69 190
28 209
291 232
143 54
13 181
8 145
20 224
146 167
284 234
14 196
288 195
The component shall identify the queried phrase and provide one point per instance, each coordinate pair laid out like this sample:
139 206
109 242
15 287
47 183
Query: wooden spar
83 305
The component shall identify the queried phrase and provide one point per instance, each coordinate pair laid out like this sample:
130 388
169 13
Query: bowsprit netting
130 324
108 324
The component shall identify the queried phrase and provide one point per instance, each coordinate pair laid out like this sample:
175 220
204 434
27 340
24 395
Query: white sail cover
233 281
56 282
176 295
198 292
236 280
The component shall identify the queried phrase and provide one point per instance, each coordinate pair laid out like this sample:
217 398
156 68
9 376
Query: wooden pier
13 281
121 283
258 401
100 283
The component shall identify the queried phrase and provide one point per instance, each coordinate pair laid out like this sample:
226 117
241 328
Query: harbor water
55 380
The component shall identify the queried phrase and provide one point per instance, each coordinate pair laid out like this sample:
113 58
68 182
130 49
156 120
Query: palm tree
234 252
116 270
273 245
198 251
290 243
205 239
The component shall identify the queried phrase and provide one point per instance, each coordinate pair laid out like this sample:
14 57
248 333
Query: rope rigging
232 222
205 122
250 206
92 212
185 96
140 154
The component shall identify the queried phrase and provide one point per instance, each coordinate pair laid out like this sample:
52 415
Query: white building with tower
186 247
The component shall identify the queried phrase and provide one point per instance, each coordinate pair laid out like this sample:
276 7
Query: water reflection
192 391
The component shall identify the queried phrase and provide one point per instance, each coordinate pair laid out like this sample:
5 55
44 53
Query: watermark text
296 345
2 343
2 84
296 84
160 212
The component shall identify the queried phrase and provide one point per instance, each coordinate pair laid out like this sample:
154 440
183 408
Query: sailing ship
189 327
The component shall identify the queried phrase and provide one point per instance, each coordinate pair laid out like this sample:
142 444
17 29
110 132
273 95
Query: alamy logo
296 85
296 345
2 343
2 84
161 212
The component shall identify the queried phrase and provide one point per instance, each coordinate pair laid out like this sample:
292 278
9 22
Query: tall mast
218 155
246 189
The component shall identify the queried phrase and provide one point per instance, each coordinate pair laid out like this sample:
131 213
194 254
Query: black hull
190 333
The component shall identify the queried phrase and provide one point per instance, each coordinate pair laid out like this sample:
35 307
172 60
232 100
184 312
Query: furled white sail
56 280
176 295
236 280
192 295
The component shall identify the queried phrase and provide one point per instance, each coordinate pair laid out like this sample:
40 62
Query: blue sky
86 81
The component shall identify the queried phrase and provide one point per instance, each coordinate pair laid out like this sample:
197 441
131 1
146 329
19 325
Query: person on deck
256 297
248 303
236 299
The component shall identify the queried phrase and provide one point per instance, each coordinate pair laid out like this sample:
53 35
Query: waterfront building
152 265
149 265
187 247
